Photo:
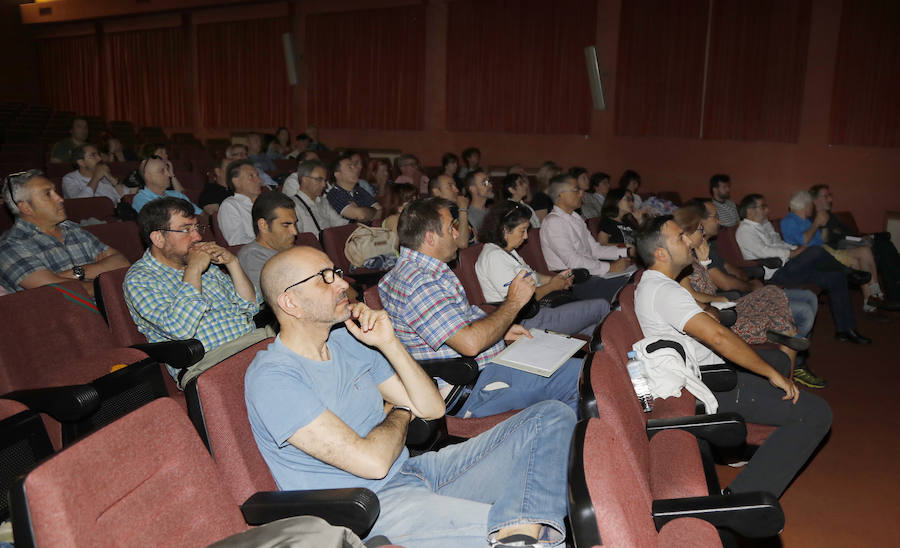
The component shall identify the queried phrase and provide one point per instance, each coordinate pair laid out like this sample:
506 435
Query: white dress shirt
760 241
567 243
75 185
315 215
235 220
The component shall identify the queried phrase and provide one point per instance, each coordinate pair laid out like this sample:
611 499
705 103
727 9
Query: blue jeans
579 317
816 266
804 307
523 389
515 473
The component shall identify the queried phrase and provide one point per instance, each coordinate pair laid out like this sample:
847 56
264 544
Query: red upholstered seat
124 237
308 239
532 253
217 230
727 246
465 271
98 207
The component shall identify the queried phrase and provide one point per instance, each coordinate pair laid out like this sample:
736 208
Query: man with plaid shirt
432 317
42 247
175 291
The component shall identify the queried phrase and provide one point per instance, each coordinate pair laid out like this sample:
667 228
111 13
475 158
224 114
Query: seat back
372 298
110 298
465 271
124 237
333 241
846 218
98 207
726 244
532 253
23 442
308 239
144 480
619 333
217 230
217 409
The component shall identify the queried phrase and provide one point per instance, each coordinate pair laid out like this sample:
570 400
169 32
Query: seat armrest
718 378
453 370
720 429
353 508
175 354
752 515
64 403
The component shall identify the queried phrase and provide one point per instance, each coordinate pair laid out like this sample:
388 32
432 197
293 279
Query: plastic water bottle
638 373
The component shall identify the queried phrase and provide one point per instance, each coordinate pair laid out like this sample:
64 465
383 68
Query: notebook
542 355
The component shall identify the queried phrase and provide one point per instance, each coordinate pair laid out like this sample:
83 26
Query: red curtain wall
518 66
866 99
149 87
242 75
70 74
659 74
367 69
757 70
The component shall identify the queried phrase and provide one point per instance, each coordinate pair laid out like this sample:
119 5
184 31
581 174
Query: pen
523 277
557 333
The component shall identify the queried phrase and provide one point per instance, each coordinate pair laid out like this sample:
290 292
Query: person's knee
555 413
814 412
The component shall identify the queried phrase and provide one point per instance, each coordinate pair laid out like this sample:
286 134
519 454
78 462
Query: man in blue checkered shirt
42 247
433 318
176 291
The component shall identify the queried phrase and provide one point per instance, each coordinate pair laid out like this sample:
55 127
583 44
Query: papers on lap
627 272
542 355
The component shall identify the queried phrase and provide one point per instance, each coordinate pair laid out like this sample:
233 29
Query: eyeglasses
486 182
8 187
328 276
199 229
317 179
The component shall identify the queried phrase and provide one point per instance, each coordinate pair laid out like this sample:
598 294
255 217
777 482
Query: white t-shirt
663 307
75 185
495 267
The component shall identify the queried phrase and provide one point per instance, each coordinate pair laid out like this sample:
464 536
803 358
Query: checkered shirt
25 249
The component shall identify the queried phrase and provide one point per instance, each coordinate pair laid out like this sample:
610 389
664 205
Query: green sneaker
808 378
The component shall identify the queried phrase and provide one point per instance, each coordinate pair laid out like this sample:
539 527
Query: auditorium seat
123 236
531 252
98 207
333 241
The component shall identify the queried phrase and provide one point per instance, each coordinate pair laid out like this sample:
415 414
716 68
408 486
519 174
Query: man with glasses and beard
175 293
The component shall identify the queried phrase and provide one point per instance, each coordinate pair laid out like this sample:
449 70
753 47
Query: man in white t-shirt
91 177
763 394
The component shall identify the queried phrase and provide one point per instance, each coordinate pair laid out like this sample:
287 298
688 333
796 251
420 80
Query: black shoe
893 306
858 278
794 343
852 336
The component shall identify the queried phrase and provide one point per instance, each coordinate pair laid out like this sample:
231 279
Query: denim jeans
804 307
522 389
460 496
579 317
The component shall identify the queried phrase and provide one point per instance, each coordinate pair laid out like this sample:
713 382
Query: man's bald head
286 268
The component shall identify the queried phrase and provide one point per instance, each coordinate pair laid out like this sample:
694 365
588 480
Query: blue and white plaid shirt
427 305
26 249
166 308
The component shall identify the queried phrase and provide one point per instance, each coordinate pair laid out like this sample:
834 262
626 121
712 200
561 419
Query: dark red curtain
866 100
757 70
518 66
367 68
70 74
242 75
659 74
149 86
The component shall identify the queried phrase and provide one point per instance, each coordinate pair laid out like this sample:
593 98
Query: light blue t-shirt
792 228
285 391
144 196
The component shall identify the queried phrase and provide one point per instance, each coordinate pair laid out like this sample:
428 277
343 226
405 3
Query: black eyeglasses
199 229
328 276
7 185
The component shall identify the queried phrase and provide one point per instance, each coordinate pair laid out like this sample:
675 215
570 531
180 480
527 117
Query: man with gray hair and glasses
306 188
42 247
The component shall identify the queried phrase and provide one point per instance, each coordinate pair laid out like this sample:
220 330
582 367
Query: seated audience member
216 191
590 205
305 187
886 257
800 265
567 244
433 318
411 173
239 151
61 153
234 216
515 188
450 165
801 228
763 393
314 144
298 147
154 149
175 291
443 186
275 226
479 188
344 424
357 160
347 197
157 175
280 146
631 181
505 229
395 199
541 203
91 177
471 161
619 220
42 247
599 186
308 155
763 315
720 191
257 155
111 150
378 173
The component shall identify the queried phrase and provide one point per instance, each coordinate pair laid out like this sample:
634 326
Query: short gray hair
14 190
800 200
559 184
306 168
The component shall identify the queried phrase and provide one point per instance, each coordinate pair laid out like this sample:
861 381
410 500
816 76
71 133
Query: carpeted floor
849 494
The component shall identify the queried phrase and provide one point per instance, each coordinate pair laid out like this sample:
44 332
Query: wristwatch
78 271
